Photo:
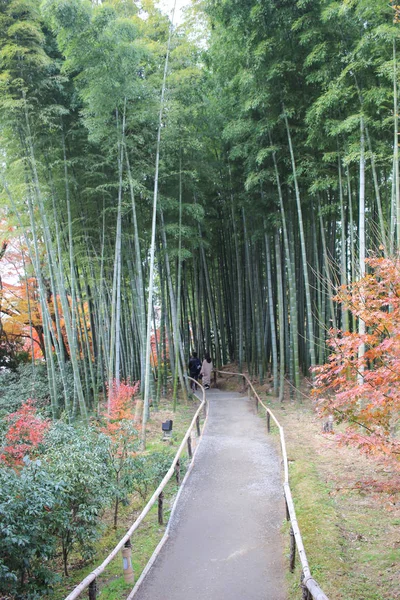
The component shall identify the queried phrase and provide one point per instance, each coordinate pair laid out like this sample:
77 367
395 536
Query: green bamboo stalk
303 250
291 278
281 319
272 318
179 291
343 257
361 235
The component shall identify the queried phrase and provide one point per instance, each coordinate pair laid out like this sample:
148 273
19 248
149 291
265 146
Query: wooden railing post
198 425
160 508
292 550
268 422
178 472
129 575
189 444
215 379
93 590
306 594
287 511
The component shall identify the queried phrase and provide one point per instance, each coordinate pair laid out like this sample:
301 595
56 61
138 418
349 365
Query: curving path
225 540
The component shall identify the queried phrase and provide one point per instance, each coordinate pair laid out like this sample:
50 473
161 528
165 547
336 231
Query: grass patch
350 535
316 516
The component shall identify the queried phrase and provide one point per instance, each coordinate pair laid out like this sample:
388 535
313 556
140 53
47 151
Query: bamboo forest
221 180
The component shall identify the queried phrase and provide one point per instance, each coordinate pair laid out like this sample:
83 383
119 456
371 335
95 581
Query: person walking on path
206 370
194 369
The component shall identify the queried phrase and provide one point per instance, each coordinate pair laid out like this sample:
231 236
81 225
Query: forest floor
351 531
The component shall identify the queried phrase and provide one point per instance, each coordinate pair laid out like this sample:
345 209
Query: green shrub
30 382
77 461
27 539
149 470
55 502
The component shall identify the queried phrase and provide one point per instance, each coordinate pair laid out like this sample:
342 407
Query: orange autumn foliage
21 318
155 341
119 418
364 391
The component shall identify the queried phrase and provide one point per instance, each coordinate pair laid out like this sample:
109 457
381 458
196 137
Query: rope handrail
308 581
84 584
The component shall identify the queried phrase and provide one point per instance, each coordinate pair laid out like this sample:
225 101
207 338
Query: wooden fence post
268 422
292 550
215 379
160 508
178 472
189 444
93 590
129 575
306 594
198 425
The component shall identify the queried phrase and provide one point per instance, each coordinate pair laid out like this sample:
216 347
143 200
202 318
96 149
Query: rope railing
90 581
311 589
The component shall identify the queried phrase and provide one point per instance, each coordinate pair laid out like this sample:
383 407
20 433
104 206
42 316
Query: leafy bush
77 459
27 540
30 382
149 470
58 500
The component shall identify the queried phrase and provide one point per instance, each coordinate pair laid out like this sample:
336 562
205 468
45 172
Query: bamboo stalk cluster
210 204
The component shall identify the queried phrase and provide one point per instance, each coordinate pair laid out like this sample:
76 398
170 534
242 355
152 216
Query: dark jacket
194 367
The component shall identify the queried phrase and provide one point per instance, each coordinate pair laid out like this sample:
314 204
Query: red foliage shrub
120 415
364 391
121 400
25 433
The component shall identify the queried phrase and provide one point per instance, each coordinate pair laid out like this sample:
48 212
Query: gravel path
225 539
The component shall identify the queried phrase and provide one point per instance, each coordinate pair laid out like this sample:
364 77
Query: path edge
165 537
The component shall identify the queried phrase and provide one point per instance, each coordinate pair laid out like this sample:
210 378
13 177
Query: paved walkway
225 540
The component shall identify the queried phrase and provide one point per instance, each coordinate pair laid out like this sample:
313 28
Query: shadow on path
225 539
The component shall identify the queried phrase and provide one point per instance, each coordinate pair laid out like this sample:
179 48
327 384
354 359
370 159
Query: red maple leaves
24 434
121 409
365 391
